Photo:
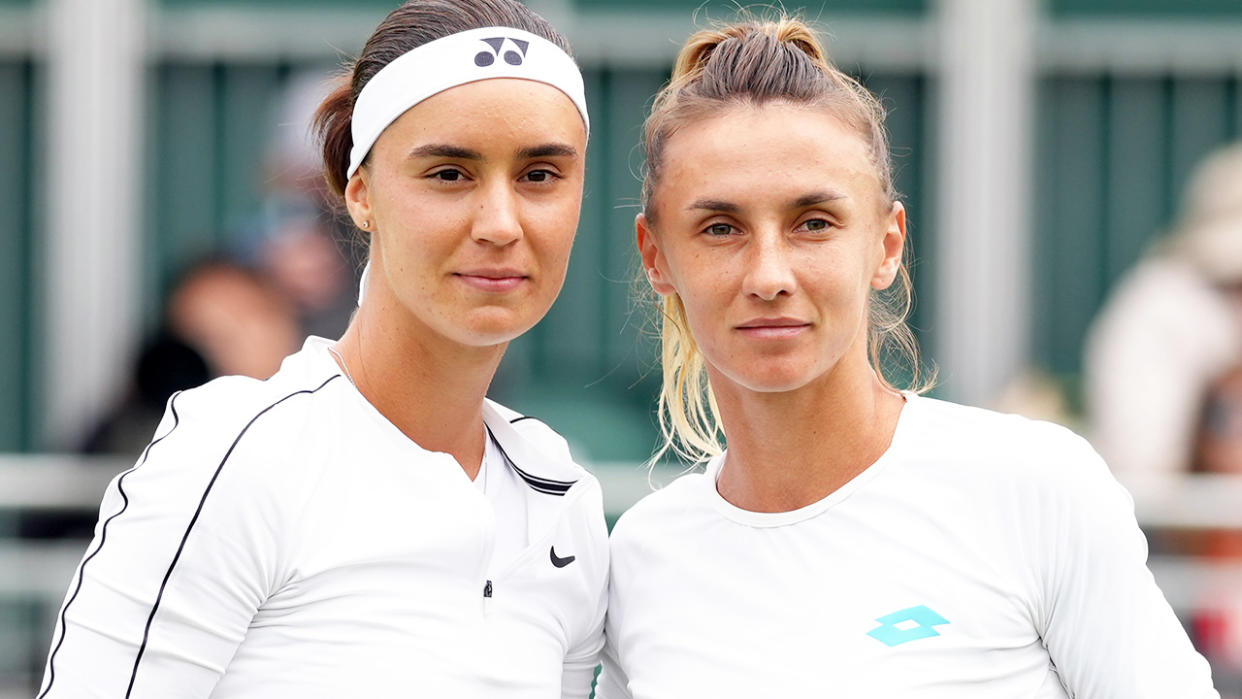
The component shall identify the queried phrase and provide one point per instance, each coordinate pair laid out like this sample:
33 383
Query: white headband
457 59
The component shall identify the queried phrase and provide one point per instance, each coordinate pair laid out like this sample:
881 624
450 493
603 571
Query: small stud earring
366 225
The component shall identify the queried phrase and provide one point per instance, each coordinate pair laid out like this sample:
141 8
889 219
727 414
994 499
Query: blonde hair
754 62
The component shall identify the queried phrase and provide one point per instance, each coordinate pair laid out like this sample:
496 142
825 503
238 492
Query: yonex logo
513 58
907 625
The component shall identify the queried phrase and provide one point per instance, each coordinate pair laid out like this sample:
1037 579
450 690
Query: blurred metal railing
34 573
50 483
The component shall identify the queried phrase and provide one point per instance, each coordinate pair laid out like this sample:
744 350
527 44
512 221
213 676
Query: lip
773 328
493 279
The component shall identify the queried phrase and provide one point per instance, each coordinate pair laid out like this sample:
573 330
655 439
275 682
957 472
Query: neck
430 388
790 449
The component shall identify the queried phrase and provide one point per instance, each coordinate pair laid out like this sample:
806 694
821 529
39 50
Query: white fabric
455 60
1010 530
293 543
507 493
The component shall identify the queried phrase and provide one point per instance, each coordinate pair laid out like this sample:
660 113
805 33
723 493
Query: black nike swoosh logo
558 561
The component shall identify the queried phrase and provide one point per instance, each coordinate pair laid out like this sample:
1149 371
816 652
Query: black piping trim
521 418
547 491
146 633
542 485
103 538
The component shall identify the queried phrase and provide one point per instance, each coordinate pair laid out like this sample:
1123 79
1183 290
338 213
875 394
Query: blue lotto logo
907 625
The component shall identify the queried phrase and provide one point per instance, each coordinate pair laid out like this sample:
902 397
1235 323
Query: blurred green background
1113 141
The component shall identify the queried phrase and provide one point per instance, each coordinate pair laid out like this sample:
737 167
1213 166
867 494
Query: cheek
844 275
706 296
555 226
402 217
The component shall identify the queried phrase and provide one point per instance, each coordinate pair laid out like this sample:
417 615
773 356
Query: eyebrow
803 201
715 205
444 150
814 198
548 150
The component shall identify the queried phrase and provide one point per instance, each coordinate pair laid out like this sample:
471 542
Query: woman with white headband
365 522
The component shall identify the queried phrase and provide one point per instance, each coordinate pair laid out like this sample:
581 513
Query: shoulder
533 430
228 407
658 514
237 420
980 434
1031 460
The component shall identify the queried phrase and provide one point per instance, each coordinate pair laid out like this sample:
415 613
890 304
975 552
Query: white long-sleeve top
981 556
283 539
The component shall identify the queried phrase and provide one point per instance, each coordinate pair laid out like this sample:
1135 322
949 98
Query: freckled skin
771 226
766 256
436 218
473 197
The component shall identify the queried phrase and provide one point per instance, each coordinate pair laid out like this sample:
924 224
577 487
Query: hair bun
794 31
693 60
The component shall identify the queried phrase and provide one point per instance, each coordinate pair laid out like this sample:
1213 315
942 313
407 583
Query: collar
538 455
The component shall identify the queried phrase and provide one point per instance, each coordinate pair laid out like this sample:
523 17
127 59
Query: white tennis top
283 539
982 556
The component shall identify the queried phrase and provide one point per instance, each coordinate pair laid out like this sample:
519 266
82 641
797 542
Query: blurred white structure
92 199
983 187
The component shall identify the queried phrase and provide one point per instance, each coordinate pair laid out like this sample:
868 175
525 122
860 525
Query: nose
769 272
496 220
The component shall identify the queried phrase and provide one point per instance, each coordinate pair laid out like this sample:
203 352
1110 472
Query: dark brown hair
414 23
752 63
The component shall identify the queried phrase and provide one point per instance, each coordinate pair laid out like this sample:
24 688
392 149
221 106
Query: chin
762 377
494 329
489 337
775 386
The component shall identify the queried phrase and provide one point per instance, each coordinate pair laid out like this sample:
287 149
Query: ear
654 263
358 200
893 244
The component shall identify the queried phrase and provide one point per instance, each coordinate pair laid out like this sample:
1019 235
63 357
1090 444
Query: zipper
488 548
532 549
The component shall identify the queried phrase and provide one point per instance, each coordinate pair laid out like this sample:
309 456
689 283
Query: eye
540 176
719 229
448 175
816 225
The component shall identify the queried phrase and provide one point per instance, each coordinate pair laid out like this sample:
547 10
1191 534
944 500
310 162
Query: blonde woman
854 540
365 523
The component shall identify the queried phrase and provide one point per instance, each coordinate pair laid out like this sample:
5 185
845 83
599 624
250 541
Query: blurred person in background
238 321
284 276
299 239
365 522
220 319
1218 444
1171 327
1217 620
1163 380
854 539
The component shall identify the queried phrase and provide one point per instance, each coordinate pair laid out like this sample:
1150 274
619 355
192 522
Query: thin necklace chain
487 435
344 367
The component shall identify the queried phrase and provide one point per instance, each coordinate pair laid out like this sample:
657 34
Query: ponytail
331 124
755 62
